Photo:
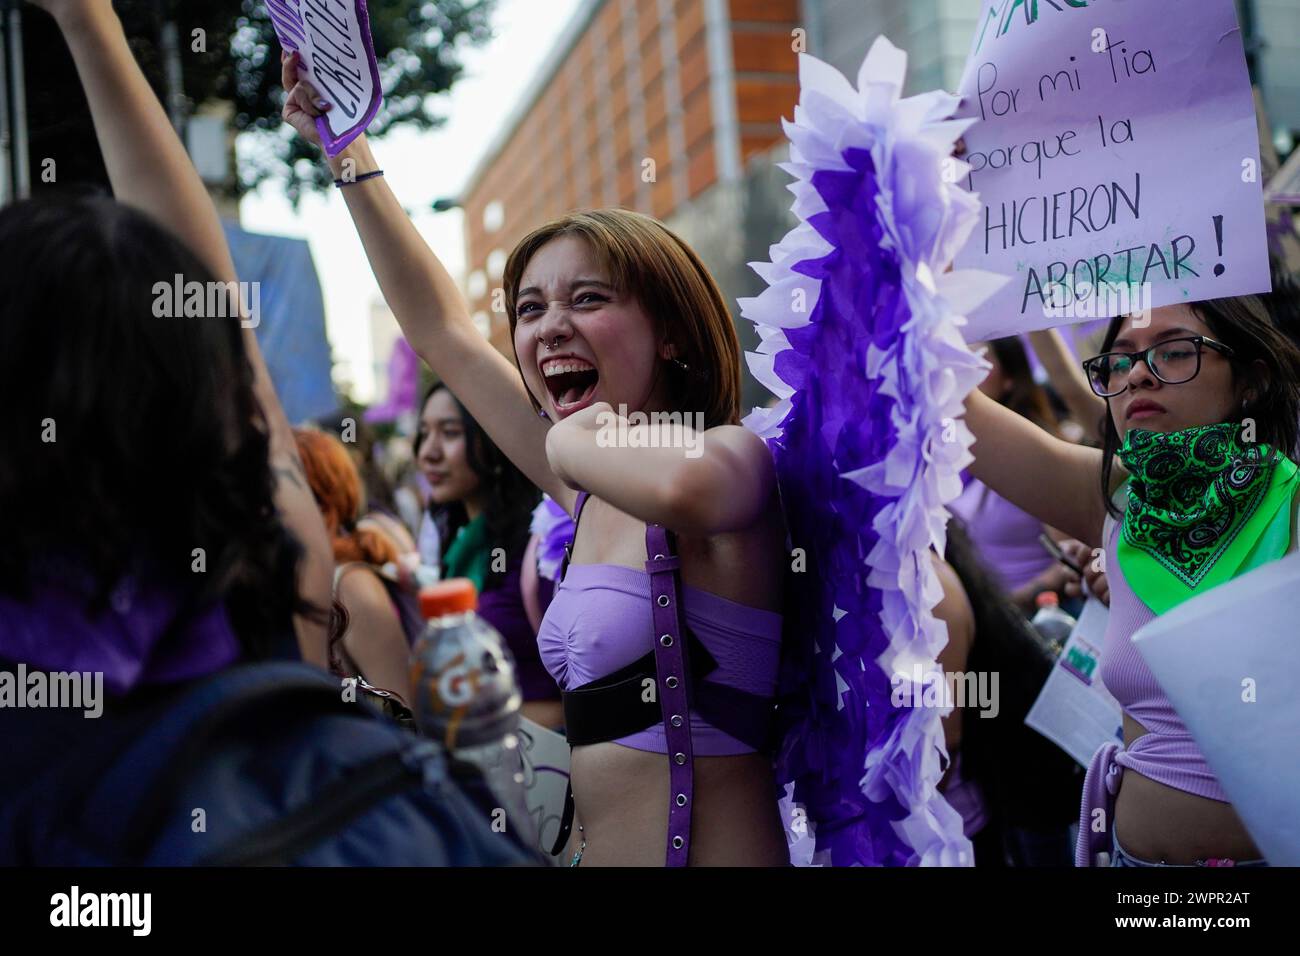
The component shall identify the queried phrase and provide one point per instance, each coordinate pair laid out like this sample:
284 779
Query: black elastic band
615 705
340 183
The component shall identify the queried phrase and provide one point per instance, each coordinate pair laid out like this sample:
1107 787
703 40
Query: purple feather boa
861 344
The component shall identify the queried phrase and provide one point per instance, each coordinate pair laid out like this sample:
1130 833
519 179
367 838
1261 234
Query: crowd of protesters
179 528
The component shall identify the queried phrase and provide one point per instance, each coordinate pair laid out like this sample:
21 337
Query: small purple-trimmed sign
333 37
1116 155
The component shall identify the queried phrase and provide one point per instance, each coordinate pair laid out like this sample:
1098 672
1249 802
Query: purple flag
333 37
1116 156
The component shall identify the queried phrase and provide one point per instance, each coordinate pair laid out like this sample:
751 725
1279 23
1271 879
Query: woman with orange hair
374 641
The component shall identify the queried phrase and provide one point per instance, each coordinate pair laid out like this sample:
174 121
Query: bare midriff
1161 824
548 713
621 799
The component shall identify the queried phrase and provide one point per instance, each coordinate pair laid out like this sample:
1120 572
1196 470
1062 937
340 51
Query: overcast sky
420 167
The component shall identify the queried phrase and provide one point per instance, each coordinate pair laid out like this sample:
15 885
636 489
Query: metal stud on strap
672 670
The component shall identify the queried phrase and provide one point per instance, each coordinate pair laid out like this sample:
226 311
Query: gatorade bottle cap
1044 599
454 596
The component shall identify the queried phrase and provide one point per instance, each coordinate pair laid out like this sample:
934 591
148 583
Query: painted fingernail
321 104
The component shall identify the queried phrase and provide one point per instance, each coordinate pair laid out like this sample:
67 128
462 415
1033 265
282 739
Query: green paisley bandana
1202 509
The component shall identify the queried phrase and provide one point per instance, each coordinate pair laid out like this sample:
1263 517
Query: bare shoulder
360 587
955 610
747 566
749 449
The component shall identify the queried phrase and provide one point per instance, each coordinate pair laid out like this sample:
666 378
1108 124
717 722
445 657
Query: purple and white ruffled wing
860 342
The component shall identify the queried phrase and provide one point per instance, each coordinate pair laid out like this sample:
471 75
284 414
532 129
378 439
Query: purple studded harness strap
674 694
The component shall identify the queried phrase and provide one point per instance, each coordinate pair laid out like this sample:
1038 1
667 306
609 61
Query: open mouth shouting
571 382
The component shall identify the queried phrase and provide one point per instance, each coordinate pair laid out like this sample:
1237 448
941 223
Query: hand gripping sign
333 37
1116 155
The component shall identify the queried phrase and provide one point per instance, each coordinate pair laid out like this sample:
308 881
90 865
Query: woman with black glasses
1194 485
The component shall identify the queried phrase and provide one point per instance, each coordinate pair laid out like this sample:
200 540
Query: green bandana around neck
1202 509
467 557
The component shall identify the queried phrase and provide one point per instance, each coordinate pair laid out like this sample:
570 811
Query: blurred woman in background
481 506
1016 791
1006 537
380 621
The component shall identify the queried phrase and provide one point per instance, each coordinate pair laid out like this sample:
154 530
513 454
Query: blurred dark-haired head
1011 382
131 439
461 462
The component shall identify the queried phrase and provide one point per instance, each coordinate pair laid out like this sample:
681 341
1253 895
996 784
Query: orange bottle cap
453 596
1047 599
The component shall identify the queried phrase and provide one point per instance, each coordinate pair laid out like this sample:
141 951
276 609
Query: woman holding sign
1195 485
609 310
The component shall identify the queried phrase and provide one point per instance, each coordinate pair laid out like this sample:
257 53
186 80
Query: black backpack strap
281 841
145 778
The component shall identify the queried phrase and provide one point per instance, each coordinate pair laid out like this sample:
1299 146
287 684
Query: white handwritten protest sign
333 37
1116 153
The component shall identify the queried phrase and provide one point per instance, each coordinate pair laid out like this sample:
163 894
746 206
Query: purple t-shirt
503 608
1007 538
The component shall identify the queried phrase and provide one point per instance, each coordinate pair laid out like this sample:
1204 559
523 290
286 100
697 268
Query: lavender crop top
1166 753
600 621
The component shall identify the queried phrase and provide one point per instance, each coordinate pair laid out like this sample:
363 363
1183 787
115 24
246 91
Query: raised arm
428 306
1055 481
150 170
695 482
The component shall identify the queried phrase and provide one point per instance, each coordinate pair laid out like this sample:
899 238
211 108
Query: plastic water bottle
1052 623
467 697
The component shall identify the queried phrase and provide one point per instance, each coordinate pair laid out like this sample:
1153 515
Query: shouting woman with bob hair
664 631
1195 485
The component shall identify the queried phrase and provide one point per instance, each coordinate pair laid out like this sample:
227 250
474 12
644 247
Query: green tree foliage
228 51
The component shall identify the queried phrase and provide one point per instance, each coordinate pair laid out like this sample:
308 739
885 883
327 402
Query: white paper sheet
1074 710
546 777
1229 659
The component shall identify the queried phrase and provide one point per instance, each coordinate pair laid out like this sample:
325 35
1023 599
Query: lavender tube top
600 621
